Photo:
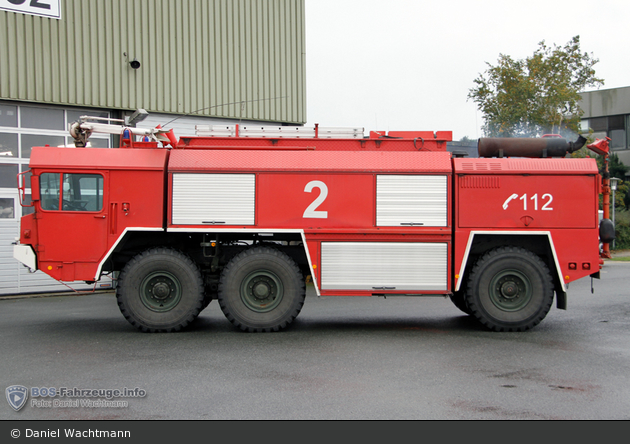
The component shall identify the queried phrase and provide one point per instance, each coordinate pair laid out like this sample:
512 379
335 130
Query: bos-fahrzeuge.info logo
17 397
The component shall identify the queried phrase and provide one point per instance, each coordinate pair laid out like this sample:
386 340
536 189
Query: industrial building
186 62
607 114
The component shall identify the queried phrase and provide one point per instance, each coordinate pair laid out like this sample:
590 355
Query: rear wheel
261 289
160 290
509 289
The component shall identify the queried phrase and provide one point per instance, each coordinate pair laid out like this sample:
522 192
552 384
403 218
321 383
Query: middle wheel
261 289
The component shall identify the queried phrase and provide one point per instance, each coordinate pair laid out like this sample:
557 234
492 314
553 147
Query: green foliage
622 230
535 96
616 168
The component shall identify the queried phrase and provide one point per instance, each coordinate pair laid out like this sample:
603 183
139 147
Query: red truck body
246 220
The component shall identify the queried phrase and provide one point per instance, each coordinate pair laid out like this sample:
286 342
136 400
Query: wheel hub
510 290
261 291
160 291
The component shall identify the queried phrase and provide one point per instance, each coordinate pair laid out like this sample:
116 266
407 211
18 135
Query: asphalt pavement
344 358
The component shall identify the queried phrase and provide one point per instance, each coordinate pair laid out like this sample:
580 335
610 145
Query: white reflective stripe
113 247
214 230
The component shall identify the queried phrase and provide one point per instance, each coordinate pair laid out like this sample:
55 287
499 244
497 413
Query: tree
535 96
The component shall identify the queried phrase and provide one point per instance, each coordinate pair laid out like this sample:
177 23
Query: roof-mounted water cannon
82 129
600 146
546 146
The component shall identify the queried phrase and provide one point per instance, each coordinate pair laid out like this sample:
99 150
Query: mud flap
561 300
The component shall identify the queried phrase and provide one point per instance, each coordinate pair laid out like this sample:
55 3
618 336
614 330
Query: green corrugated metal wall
194 54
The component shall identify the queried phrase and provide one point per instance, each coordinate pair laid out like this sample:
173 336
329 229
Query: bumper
26 255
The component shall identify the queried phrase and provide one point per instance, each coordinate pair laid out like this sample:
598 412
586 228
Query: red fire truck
246 215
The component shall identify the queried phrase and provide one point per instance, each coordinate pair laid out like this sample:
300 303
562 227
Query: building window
7 208
8 175
614 127
8 116
31 140
8 145
42 118
598 124
617 139
24 126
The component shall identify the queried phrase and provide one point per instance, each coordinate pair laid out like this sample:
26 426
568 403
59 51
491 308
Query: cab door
72 223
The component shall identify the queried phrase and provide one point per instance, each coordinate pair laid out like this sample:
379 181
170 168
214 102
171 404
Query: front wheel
509 289
261 290
160 290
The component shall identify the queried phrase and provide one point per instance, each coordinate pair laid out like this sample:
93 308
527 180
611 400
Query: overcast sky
409 64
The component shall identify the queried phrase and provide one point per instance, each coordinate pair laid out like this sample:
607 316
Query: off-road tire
160 290
509 289
261 290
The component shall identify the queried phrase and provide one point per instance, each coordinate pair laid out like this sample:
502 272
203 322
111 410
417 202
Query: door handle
113 220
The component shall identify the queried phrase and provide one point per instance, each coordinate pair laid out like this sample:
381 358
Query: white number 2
311 211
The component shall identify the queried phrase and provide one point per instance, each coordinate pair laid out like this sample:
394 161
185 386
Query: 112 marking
546 200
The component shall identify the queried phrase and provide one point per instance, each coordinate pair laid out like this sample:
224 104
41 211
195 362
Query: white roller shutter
411 201
214 199
379 266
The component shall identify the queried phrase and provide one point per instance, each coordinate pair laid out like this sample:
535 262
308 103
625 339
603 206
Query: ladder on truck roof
330 137
277 132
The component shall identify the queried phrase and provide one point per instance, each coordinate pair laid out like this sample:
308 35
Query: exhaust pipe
528 147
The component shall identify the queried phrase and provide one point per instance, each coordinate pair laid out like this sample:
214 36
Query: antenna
240 102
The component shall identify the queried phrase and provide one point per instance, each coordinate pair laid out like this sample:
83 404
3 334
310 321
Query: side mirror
22 188
35 196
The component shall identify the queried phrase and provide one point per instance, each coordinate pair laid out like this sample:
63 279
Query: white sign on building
45 8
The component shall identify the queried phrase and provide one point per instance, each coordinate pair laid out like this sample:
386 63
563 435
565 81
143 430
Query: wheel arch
538 242
134 240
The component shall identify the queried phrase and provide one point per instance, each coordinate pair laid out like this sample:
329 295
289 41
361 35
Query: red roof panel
308 161
98 158
511 165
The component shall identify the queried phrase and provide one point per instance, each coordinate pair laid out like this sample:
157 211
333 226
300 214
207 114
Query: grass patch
621 259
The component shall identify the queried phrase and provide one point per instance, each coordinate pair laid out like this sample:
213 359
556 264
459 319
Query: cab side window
71 192
49 190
